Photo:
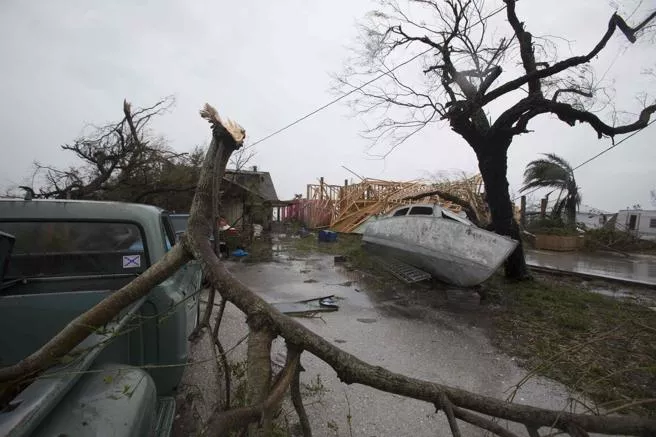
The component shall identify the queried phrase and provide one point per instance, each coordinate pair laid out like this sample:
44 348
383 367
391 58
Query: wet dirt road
639 268
380 327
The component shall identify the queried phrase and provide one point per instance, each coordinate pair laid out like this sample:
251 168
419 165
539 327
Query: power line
613 146
332 102
596 156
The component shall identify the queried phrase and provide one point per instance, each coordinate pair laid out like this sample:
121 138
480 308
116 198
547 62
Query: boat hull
451 251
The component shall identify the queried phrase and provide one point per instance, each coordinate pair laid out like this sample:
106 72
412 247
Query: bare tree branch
525 47
615 22
226 138
570 90
297 401
482 422
445 404
83 325
221 424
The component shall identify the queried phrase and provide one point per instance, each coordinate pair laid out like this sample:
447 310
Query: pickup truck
58 258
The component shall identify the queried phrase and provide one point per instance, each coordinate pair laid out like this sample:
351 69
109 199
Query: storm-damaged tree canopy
124 161
469 71
265 390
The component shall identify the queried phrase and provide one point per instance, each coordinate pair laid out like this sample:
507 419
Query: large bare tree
124 161
266 323
464 56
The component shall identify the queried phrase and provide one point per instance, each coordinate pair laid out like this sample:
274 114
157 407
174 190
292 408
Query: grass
601 347
604 239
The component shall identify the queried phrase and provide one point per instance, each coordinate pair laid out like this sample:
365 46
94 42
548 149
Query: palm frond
552 171
552 157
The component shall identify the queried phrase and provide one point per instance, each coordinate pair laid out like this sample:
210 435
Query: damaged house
247 199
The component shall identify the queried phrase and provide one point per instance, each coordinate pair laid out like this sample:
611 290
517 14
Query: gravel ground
446 345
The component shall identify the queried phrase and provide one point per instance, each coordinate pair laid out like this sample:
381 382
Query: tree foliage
555 172
124 161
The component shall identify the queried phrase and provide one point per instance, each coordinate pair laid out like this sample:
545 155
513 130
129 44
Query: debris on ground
403 271
239 253
307 307
327 236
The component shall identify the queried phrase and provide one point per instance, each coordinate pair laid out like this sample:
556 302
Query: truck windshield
61 248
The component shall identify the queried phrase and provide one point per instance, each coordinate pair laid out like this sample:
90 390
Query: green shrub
596 239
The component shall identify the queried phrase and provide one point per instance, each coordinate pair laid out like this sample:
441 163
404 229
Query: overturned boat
440 242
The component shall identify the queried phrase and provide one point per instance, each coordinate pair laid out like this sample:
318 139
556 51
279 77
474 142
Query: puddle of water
414 339
637 268
366 320
288 279
618 294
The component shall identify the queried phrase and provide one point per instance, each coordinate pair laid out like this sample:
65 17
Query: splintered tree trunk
258 375
493 164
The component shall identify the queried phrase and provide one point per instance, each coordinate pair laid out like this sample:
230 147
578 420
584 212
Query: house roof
257 182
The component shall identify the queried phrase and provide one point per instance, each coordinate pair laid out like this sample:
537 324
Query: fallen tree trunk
349 368
460 404
102 313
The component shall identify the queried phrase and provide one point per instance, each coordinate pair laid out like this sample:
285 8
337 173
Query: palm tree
554 172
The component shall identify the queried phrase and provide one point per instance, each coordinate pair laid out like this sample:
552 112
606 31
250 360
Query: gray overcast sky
263 63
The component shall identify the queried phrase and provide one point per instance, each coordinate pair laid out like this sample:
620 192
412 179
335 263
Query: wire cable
592 158
343 96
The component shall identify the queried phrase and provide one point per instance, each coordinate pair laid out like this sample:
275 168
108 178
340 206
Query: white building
587 217
638 221
591 218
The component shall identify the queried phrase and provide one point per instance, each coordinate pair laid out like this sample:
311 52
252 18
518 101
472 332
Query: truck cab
61 257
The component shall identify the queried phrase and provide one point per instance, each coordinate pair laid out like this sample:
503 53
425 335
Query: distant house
247 198
587 217
592 218
640 222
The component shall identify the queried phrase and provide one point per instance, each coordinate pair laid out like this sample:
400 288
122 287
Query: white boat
440 242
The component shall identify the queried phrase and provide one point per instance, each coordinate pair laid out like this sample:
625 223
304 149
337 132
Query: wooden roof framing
351 205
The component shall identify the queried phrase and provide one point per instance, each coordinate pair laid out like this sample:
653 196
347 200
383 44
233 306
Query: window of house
421 210
401 211
652 222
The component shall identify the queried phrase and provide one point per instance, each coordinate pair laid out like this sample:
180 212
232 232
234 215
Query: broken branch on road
266 321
